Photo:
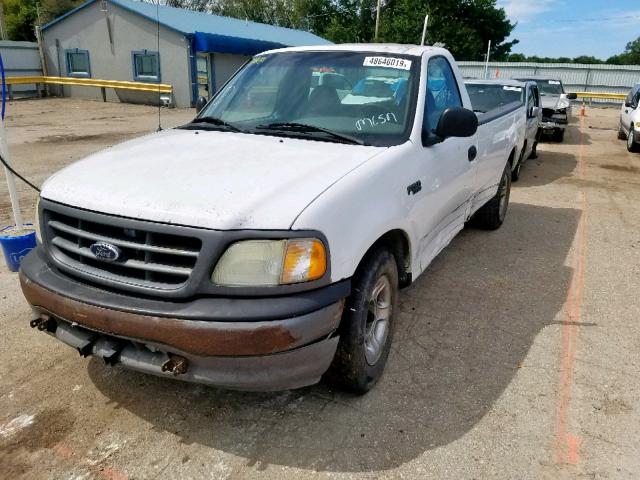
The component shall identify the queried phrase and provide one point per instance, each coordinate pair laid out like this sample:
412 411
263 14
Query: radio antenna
158 65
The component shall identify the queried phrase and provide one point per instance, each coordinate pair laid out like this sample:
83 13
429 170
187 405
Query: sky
569 28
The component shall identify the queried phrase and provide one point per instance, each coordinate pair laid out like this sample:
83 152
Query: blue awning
211 42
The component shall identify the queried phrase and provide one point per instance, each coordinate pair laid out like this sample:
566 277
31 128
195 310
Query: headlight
263 263
36 221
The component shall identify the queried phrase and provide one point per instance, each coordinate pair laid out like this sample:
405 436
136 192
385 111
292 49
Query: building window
146 66
78 63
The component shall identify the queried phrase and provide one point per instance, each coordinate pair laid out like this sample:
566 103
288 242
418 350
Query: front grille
547 112
148 258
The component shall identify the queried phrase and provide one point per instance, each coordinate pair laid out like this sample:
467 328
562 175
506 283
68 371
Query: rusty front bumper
253 355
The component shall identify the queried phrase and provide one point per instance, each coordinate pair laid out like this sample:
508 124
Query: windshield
365 96
488 97
550 87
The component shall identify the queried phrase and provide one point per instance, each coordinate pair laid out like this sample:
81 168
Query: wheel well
397 242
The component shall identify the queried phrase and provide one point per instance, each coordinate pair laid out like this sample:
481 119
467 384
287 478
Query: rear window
489 97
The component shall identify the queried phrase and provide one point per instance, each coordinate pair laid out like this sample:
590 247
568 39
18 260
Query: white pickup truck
263 244
522 100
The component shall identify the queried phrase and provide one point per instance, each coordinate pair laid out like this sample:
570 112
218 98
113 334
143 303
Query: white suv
630 120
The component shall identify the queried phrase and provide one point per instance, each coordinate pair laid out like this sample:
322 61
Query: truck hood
208 179
554 102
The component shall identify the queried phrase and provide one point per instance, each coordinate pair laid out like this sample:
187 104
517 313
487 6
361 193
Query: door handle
473 151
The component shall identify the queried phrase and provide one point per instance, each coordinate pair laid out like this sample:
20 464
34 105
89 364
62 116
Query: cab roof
497 81
536 78
382 48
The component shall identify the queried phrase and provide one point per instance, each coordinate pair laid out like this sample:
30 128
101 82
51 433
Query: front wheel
632 145
621 134
558 135
492 214
368 323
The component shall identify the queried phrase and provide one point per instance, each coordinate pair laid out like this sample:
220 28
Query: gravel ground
516 355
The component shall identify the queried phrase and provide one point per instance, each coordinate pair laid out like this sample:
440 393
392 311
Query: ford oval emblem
105 251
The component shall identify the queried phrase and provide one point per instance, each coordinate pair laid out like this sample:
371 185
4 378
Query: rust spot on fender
190 336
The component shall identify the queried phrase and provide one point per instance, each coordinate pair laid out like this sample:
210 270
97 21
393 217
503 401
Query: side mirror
572 96
457 122
200 103
628 104
535 111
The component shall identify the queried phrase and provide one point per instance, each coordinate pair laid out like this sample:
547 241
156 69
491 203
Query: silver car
630 120
556 105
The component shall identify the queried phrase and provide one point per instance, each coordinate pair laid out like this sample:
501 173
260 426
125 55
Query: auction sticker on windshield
387 62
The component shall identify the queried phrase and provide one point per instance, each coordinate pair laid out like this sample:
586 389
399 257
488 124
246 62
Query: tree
589 59
20 17
465 26
51 9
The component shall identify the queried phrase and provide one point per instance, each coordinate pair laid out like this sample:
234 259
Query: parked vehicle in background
630 120
331 79
490 95
556 105
263 244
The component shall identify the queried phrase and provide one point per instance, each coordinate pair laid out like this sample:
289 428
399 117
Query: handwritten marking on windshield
376 120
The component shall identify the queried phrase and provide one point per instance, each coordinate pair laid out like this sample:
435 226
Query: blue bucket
16 247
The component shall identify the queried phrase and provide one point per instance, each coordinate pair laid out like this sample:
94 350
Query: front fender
364 205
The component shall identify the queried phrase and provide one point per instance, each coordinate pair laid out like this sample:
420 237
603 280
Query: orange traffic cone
583 110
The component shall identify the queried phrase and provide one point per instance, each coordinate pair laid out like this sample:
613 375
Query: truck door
447 168
533 100
625 114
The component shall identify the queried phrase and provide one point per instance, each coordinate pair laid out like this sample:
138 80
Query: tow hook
42 323
176 365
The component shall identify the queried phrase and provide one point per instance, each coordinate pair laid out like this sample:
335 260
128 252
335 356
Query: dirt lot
517 353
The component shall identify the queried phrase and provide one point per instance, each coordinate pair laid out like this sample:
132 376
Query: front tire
558 135
621 134
632 145
492 214
368 323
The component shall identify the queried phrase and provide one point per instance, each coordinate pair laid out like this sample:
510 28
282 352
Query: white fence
576 77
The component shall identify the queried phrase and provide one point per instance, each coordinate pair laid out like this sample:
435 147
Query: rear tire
492 214
515 174
368 323
534 150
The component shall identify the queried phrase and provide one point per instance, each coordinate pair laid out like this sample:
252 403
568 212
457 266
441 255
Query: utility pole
486 62
377 20
424 30
3 27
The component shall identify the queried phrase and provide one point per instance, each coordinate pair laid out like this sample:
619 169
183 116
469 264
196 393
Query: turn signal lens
304 261
267 263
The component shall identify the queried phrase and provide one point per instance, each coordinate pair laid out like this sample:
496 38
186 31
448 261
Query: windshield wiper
218 122
304 128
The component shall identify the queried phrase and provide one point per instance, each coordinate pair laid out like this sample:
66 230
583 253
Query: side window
78 63
636 99
146 66
442 91
532 99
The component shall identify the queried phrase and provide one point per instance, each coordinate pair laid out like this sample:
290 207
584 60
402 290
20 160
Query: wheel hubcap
378 315
630 137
